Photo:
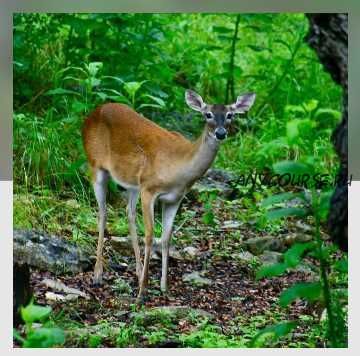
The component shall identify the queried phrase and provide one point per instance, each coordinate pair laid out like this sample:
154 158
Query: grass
155 327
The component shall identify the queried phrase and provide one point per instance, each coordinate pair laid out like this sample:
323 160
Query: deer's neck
203 154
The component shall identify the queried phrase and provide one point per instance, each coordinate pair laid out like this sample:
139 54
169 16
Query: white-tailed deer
154 163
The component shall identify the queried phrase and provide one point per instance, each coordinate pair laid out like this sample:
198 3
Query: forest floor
223 305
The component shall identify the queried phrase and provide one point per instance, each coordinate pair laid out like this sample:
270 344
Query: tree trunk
21 290
329 37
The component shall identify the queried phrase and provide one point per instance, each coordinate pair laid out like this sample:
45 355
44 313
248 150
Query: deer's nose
220 133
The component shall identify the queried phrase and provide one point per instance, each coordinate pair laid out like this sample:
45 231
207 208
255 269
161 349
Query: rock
215 180
304 268
231 224
270 257
54 297
191 252
49 253
297 238
196 279
258 245
244 257
304 227
123 245
61 287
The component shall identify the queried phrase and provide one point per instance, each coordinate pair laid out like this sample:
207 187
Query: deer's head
218 116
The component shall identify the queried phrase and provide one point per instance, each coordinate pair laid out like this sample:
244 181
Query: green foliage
209 336
65 65
33 313
308 291
317 203
207 198
43 336
127 337
272 333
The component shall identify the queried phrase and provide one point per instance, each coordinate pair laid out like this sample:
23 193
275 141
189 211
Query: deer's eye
229 115
209 115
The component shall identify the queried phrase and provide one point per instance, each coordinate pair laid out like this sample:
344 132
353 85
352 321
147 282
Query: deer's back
118 139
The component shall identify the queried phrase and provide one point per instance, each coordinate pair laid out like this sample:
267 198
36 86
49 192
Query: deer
153 163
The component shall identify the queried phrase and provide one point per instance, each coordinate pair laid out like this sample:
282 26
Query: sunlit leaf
273 332
271 270
293 255
292 167
222 29
286 212
32 313
61 91
45 337
280 198
308 291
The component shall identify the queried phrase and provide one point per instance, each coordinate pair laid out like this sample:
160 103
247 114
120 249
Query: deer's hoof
97 281
142 298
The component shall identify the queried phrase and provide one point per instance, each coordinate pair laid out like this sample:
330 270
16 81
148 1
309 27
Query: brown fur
144 157
132 148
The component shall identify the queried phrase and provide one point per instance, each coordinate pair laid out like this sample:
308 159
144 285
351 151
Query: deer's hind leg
168 216
131 213
147 203
101 178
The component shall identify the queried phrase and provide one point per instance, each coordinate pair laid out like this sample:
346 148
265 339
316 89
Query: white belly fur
171 197
125 185
166 197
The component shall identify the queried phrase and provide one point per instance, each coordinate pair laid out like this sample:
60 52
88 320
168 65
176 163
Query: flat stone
244 256
196 279
257 245
231 224
123 245
191 251
270 257
49 252
173 311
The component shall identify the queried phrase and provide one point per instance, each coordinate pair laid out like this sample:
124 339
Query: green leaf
45 337
284 44
280 198
324 204
34 312
133 87
341 265
328 112
259 48
292 129
285 212
292 167
158 100
118 79
60 91
274 332
311 105
308 291
94 67
293 255
222 29
271 271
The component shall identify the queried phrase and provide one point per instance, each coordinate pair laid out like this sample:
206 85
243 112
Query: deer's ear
194 100
243 103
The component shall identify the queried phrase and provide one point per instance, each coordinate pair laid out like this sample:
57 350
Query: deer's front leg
168 215
147 203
